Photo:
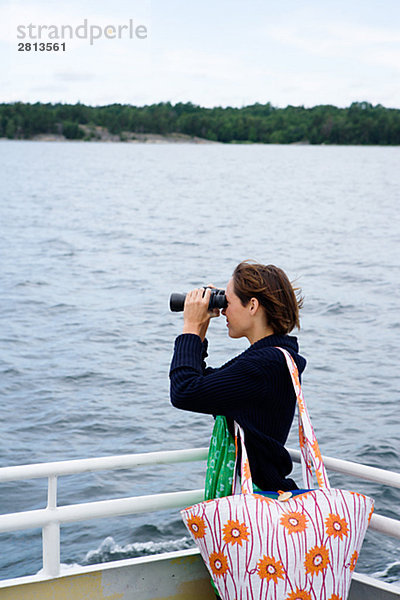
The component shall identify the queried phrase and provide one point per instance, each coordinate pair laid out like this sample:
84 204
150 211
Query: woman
255 388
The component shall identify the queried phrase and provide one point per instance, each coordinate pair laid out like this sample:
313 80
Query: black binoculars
217 300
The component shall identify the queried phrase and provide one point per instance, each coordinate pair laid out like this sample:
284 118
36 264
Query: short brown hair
272 288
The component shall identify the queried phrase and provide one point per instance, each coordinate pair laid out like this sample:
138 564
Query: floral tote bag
299 546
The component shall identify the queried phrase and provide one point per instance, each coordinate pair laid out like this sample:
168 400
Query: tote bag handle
310 453
243 484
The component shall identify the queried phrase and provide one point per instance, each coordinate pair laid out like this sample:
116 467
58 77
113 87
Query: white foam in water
110 550
64 568
391 574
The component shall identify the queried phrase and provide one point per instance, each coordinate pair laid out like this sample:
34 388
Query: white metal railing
50 518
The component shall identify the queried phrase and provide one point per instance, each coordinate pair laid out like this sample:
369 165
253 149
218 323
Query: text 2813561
41 47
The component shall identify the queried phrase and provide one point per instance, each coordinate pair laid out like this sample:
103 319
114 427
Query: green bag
220 461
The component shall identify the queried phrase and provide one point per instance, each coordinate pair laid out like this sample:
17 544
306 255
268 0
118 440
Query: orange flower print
316 449
353 560
320 478
197 526
335 597
263 498
302 438
295 374
317 559
370 514
336 526
235 533
269 568
299 595
218 563
246 470
294 522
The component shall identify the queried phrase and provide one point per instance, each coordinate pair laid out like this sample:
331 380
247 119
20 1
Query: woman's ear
254 304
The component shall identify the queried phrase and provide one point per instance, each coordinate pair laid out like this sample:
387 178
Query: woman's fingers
196 315
199 300
196 303
206 296
198 295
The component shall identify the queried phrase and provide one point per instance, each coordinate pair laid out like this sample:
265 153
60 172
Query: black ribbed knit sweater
254 389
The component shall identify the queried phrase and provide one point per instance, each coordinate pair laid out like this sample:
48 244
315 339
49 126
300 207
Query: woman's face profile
237 315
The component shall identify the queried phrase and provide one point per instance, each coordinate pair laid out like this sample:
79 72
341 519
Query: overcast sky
210 52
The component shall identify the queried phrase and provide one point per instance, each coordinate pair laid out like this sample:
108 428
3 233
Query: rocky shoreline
101 134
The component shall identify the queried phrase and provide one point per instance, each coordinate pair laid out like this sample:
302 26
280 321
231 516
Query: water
94 237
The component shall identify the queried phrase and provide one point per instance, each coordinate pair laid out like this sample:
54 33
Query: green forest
360 123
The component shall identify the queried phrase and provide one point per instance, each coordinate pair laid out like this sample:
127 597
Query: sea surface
93 239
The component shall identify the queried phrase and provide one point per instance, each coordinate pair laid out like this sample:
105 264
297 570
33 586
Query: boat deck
173 576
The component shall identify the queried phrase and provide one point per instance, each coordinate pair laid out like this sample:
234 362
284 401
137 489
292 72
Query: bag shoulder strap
244 483
310 452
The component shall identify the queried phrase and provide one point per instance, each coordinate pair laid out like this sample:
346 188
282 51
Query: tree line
360 123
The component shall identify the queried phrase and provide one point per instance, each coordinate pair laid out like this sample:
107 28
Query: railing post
51 534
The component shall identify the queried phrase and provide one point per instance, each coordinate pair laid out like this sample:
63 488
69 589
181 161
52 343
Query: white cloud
73 76
369 45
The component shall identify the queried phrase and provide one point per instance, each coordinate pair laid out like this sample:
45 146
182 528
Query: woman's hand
196 316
